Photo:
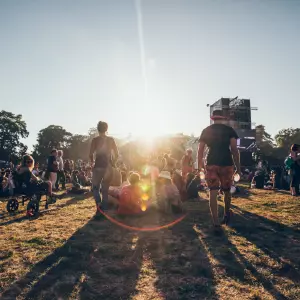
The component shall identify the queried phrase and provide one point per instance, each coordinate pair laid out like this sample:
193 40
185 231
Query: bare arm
200 155
115 149
34 178
92 151
235 154
182 161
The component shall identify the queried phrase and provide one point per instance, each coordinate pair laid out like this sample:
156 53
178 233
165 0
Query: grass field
68 254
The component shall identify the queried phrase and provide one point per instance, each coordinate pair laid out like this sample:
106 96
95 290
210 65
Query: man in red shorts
223 154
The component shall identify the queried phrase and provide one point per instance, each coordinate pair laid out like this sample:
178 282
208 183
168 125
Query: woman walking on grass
105 151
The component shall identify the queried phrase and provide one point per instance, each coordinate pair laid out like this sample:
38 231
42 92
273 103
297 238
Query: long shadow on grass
229 262
181 264
43 211
280 242
97 262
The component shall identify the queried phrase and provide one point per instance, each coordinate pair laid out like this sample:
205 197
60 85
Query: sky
148 67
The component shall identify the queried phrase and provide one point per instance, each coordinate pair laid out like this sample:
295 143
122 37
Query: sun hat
165 174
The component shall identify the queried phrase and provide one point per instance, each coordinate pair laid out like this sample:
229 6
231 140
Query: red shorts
217 176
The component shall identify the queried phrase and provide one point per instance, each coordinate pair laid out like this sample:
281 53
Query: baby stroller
19 191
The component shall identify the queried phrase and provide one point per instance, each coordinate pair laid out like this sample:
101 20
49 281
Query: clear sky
148 68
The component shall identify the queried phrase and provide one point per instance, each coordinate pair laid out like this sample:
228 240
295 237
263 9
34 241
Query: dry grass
68 254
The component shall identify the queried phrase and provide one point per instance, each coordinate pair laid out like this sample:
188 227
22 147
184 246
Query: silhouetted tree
49 138
12 129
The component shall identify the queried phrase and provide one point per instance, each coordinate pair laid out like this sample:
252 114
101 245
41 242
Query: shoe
226 220
218 230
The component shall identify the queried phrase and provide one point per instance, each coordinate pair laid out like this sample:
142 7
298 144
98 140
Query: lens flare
145 197
143 207
145 188
143 228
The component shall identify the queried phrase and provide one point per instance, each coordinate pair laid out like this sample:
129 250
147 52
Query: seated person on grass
178 180
168 196
193 185
76 186
130 196
83 179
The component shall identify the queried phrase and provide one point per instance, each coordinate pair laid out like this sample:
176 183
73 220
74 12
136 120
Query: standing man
60 172
223 155
52 167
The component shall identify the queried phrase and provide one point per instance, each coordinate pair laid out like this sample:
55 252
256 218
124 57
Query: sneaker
226 220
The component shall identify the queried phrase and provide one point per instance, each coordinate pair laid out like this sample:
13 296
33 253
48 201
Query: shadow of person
229 263
99 261
278 241
182 267
17 217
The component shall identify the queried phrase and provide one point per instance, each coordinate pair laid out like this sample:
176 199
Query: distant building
238 111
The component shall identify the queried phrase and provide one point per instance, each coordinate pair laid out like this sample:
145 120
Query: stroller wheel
32 208
12 205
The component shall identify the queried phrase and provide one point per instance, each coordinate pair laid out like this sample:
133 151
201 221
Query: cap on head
218 115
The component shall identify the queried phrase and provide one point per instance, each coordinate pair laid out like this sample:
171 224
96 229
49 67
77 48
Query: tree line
13 129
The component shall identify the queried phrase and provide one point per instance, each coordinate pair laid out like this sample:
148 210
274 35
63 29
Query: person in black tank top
104 150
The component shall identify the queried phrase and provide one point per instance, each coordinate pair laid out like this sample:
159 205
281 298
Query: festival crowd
161 182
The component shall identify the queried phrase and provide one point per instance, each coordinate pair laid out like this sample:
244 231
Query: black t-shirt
217 138
50 164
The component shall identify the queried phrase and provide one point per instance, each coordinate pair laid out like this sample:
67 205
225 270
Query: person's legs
98 175
226 177
104 192
107 176
63 179
96 183
57 180
293 184
297 182
53 178
213 204
213 183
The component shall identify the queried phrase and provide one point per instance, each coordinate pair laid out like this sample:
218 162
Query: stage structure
238 111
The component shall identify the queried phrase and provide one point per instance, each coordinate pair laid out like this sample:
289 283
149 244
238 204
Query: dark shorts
219 177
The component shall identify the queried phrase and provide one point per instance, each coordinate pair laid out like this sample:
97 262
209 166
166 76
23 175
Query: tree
287 137
79 147
93 132
51 137
12 129
264 141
